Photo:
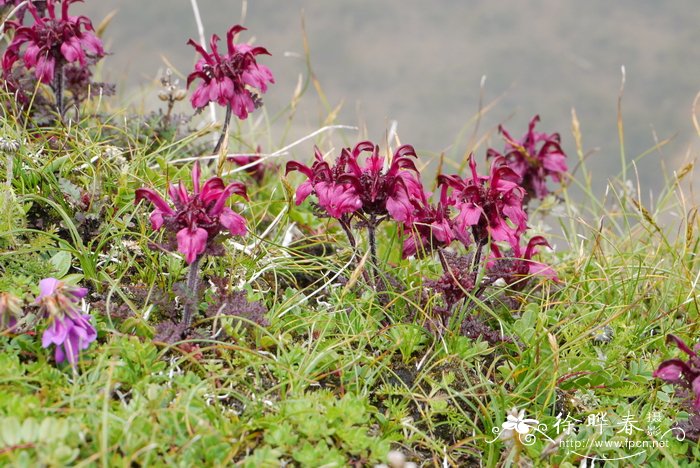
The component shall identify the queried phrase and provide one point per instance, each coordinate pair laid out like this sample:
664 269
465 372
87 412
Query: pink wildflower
196 218
52 41
486 204
69 328
227 78
534 157
368 189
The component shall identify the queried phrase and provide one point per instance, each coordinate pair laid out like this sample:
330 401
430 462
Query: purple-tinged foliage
196 218
534 157
236 304
10 311
68 327
171 332
457 282
691 427
680 372
51 41
78 80
490 208
226 78
474 328
348 187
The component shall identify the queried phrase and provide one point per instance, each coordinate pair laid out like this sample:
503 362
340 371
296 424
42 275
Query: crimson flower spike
51 41
534 157
486 203
227 79
350 187
196 218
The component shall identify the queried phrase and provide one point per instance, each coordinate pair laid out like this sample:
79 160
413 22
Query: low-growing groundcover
170 299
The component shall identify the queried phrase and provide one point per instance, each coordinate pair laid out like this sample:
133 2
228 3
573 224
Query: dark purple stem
480 242
345 224
443 260
192 301
58 88
371 234
224 131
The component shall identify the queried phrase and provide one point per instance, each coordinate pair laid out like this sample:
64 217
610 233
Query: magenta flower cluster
683 373
481 210
348 187
478 211
51 41
534 157
227 79
196 218
68 327
489 208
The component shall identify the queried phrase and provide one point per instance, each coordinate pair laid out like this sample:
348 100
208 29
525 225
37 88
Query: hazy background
421 63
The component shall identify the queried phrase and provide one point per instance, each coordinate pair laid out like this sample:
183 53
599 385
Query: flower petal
233 222
303 191
671 370
156 219
56 332
153 197
47 287
400 207
231 189
680 343
191 242
469 215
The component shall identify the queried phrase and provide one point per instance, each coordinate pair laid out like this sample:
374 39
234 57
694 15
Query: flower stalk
372 224
218 148
224 130
192 303
58 85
